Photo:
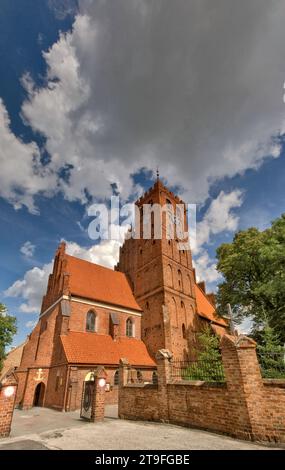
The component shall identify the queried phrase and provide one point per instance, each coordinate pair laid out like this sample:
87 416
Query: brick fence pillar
163 357
124 368
245 386
98 403
8 390
123 372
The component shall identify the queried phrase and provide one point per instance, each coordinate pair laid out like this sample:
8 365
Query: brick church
92 315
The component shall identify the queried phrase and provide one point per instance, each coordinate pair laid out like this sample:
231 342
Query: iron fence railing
272 364
206 370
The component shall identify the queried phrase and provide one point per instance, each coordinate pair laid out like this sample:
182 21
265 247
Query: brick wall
77 321
139 402
245 406
274 391
56 387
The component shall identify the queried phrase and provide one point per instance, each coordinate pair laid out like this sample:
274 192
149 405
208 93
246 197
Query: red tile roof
206 309
96 282
93 348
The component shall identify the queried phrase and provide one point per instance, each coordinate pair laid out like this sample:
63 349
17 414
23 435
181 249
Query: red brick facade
46 364
150 302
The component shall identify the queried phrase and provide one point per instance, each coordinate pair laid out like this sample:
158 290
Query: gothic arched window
91 321
174 310
139 376
154 378
189 285
183 331
180 285
116 378
129 328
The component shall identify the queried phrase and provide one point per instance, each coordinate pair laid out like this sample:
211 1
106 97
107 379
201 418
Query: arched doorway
39 394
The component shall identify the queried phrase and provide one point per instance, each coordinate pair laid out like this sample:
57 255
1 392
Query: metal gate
87 399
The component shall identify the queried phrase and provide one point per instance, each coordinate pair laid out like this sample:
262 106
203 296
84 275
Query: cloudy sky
95 94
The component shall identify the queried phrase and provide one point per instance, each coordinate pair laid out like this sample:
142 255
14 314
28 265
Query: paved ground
41 428
39 420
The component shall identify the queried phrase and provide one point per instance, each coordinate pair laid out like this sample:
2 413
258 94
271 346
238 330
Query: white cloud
196 90
205 268
28 249
219 217
105 254
22 175
32 286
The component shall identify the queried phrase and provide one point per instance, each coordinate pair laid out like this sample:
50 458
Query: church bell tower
162 278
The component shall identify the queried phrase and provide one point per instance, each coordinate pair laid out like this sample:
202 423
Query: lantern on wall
102 383
9 391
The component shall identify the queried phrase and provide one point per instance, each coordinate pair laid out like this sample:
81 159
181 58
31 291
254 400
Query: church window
184 331
116 378
57 381
139 376
129 328
174 309
147 306
180 280
154 378
189 284
91 321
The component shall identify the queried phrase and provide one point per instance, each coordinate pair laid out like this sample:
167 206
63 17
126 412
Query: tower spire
157 173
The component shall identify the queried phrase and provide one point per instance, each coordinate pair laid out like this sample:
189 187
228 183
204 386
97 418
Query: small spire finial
157 173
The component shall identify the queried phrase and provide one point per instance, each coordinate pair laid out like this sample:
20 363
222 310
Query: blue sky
113 99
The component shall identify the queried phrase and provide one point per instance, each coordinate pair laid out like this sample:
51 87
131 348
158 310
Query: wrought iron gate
87 399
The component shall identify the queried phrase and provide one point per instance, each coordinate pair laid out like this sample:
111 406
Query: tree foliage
270 353
7 331
253 267
208 365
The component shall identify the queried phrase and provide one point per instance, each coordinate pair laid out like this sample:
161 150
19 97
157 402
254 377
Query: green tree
208 365
7 331
253 267
270 353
